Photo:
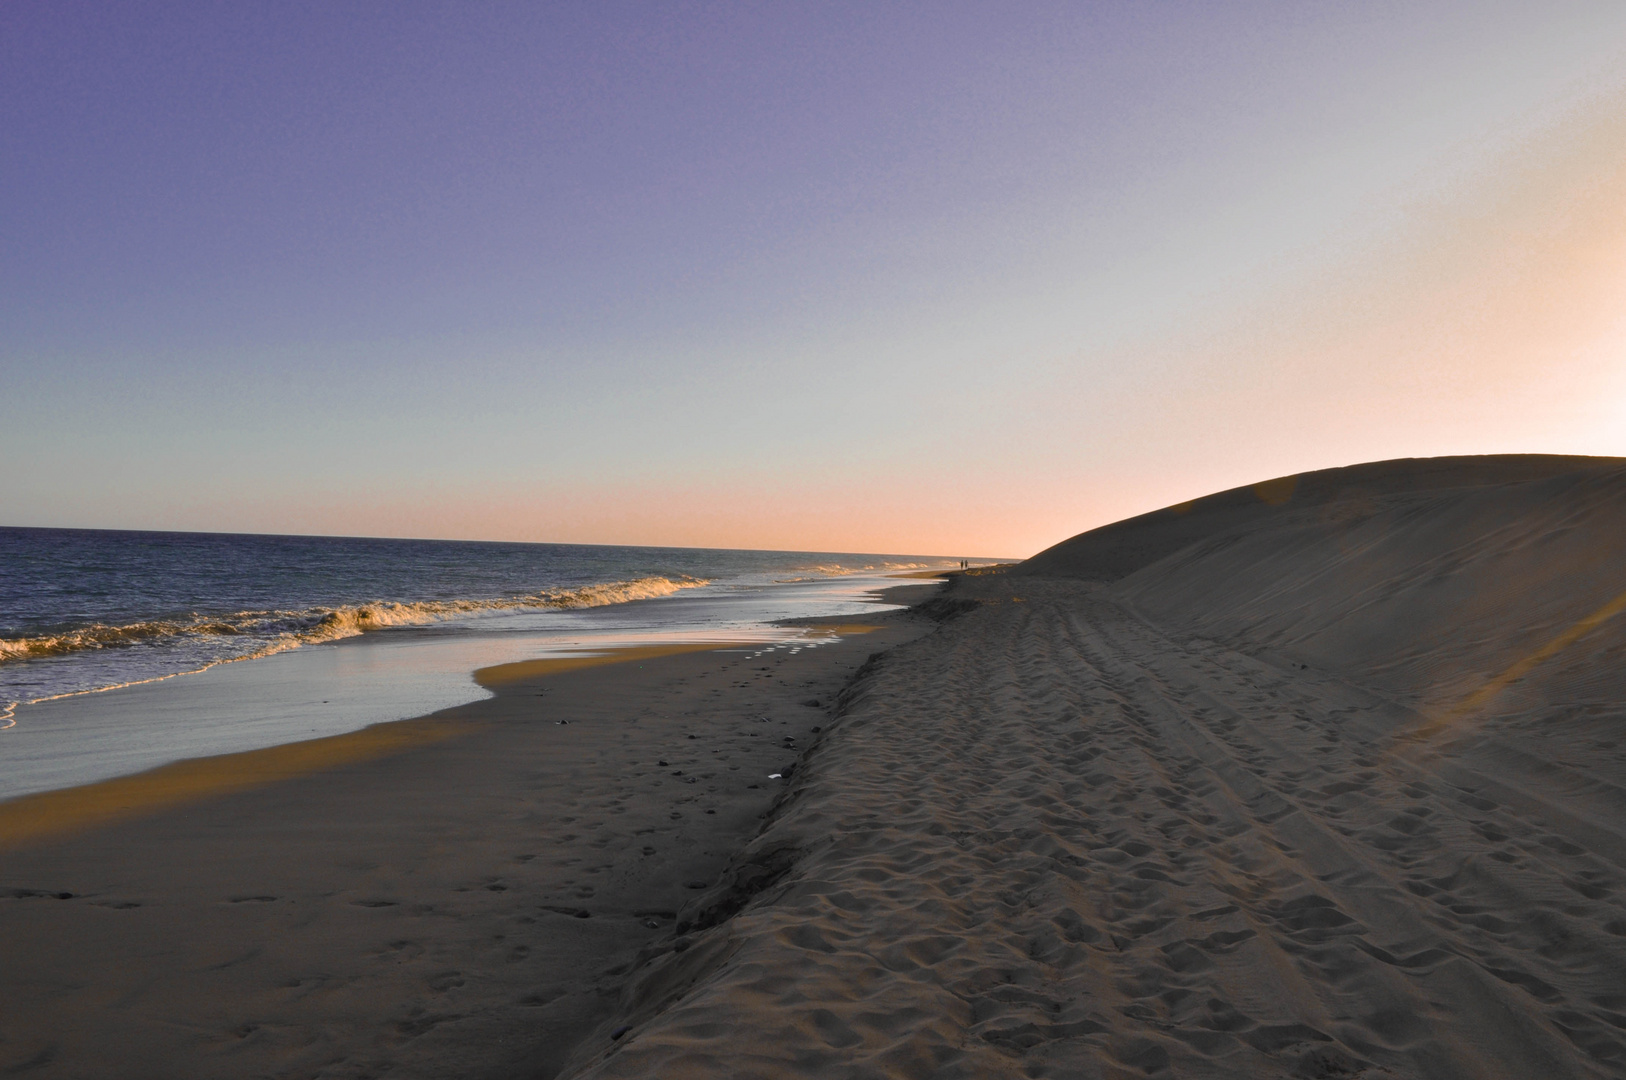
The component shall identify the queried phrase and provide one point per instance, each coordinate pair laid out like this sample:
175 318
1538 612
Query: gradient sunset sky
962 279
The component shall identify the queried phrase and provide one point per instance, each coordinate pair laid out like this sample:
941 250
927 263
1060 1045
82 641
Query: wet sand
459 895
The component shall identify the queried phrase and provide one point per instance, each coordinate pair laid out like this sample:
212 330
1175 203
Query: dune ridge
1123 547
1332 786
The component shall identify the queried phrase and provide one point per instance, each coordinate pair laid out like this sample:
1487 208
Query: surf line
1517 670
272 648
9 713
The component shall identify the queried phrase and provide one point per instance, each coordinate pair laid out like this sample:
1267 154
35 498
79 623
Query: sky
939 278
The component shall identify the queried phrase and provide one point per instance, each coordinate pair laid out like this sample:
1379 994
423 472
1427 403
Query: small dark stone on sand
661 762
817 729
584 914
694 884
620 1031
813 703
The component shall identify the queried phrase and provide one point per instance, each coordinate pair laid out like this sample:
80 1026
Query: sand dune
1324 779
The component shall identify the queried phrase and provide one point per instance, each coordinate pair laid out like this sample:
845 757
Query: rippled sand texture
1370 823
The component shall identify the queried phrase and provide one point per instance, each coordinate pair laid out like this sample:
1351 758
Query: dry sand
456 896
1333 786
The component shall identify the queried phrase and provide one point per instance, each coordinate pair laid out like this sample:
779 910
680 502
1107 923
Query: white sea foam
266 633
279 631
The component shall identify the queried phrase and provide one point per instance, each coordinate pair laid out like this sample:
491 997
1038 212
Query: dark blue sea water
88 610
120 651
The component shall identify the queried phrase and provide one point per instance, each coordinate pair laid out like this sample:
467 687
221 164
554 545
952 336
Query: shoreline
38 816
459 893
1302 799
342 687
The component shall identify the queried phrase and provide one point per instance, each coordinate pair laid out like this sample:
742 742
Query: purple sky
774 274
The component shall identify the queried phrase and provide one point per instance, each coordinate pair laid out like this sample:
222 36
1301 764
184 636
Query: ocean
124 650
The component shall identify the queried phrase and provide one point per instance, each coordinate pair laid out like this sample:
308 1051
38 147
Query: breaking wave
263 633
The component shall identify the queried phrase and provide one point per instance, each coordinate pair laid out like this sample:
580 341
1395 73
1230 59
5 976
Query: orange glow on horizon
1491 320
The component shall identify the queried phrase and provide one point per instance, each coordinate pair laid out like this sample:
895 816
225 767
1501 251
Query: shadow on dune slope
1429 579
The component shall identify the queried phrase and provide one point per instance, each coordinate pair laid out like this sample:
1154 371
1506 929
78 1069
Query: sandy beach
1322 777
813 541
459 895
